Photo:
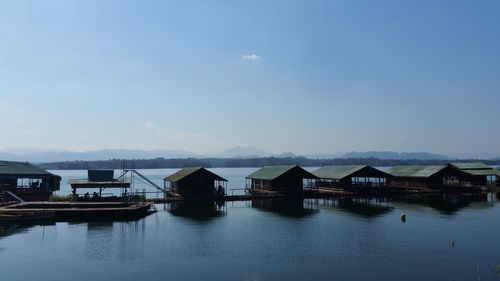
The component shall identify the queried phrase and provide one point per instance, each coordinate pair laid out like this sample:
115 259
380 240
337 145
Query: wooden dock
83 210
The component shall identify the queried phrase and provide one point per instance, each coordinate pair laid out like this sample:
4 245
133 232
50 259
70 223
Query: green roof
23 169
273 172
414 171
471 166
337 172
175 177
485 172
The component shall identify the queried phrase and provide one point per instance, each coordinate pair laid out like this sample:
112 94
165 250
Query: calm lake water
345 239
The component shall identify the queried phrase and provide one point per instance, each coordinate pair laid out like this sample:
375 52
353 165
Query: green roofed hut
279 179
195 182
351 177
441 177
27 181
479 173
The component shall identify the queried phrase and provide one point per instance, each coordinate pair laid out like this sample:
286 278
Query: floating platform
82 211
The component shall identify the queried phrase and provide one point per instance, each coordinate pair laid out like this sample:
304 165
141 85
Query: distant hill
241 152
104 154
396 155
287 155
237 162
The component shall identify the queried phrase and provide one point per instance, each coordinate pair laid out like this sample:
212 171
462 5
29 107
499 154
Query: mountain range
41 156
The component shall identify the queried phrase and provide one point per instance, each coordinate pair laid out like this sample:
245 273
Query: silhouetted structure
428 177
27 181
196 181
351 177
479 174
281 179
98 180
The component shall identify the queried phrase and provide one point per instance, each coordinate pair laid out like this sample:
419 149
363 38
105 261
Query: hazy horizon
283 76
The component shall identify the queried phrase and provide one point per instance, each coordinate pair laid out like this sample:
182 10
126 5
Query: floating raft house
351 176
99 180
480 174
280 179
27 181
429 177
194 181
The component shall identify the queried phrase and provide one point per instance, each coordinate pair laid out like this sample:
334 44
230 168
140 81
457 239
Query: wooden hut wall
409 182
196 183
291 181
447 177
372 175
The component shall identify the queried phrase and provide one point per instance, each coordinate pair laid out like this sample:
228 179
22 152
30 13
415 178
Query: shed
27 180
282 179
479 173
195 181
347 176
441 176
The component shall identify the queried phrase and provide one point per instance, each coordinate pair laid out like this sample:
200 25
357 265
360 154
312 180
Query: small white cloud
148 124
252 57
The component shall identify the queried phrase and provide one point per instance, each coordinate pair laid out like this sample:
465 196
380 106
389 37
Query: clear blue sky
301 76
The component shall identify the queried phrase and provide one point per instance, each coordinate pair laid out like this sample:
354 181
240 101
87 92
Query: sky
302 76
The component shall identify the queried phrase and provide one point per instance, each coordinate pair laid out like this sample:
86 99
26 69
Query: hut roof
22 169
471 166
485 172
337 172
476 169
175 177
414 171
273 172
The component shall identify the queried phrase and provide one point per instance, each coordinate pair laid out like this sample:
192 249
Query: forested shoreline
158 163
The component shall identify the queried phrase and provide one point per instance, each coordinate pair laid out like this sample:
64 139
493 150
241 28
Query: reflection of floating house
363 206
351 176
480 174
199 210
437 177
98 181
282 179
289 207
447 204
27 181
194 182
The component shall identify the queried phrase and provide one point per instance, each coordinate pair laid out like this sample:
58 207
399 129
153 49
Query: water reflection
447 204
290 207
365 207
107 240
7 229
198 210
99 243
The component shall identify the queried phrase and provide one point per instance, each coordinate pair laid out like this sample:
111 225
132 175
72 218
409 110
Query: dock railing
232 190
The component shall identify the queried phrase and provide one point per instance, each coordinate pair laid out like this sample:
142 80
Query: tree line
158 163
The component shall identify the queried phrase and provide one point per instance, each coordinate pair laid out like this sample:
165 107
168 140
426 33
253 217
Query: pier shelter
479 174
280 179
351 177
427 177
195 181
97 182
27 181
